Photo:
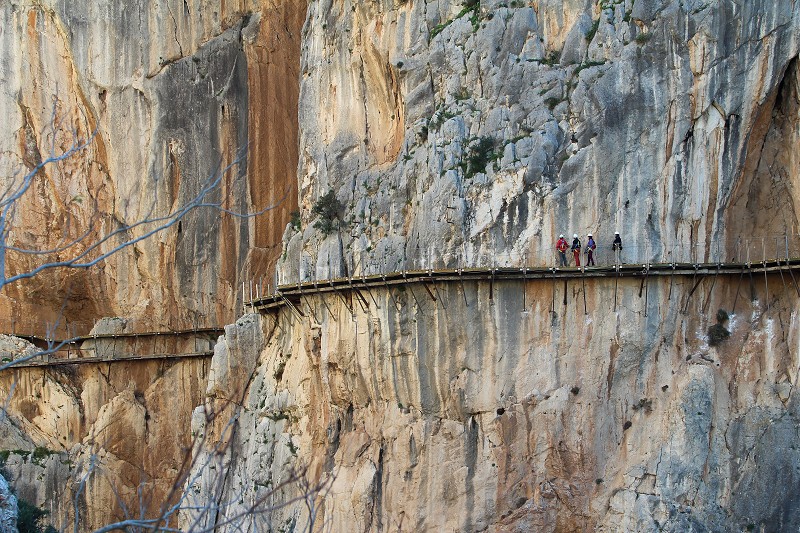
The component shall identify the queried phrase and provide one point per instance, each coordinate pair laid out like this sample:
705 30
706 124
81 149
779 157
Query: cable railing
310 269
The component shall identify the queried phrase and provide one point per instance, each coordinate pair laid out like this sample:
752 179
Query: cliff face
474 413
473 133
115 436
107 440
172 91
454 134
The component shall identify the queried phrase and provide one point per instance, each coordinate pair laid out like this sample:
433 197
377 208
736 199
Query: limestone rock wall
458 133
467 132
116 435
8 507
451 133
169 93
479 414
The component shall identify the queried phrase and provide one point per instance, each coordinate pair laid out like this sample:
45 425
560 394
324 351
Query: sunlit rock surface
452 134
479 414
169 94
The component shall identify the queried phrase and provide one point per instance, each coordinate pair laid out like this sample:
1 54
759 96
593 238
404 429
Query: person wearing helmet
576 249
561 246
617 247
590 248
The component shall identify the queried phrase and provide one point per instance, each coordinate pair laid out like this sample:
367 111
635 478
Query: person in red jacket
576 249
561 246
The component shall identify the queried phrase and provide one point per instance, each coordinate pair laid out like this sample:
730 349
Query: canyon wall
481 412
450 134
457 133
473 133
168 95
108 441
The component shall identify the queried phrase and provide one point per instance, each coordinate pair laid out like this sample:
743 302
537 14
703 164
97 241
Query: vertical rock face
169 94
463 133
8 507
455 132
474 413
114 437
451 133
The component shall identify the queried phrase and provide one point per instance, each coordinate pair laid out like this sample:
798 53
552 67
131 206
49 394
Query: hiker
617 247
590 248
576 249
561 246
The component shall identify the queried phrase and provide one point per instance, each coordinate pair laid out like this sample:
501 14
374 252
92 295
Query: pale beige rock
449 417
125 426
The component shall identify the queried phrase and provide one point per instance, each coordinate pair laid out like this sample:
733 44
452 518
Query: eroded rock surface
452 133
168 94
8 507
496 415
120 429
458 135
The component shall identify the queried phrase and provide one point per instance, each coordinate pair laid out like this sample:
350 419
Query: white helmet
561 236
616 233
588 234
575 236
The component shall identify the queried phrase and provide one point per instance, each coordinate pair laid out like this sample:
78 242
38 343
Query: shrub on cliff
718 332
30 518
480 154
328 208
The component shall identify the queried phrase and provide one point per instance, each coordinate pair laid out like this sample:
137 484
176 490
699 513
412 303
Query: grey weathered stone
8 508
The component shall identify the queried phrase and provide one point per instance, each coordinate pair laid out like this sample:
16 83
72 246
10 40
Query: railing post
747 252
786 241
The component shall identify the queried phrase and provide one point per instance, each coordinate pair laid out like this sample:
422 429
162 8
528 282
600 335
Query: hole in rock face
500 411
626 425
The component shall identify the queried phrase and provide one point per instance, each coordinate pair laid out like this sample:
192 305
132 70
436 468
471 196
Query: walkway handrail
292 291
100 336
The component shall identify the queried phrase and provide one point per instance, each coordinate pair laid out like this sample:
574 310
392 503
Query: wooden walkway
72 351
289 295
60 353
38 340
48 360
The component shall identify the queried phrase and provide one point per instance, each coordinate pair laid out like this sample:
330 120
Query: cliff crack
175 29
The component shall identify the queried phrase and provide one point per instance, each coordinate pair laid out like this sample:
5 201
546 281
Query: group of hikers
591 246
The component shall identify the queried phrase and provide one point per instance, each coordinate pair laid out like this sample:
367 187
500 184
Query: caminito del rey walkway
102 348
290 295
116 347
